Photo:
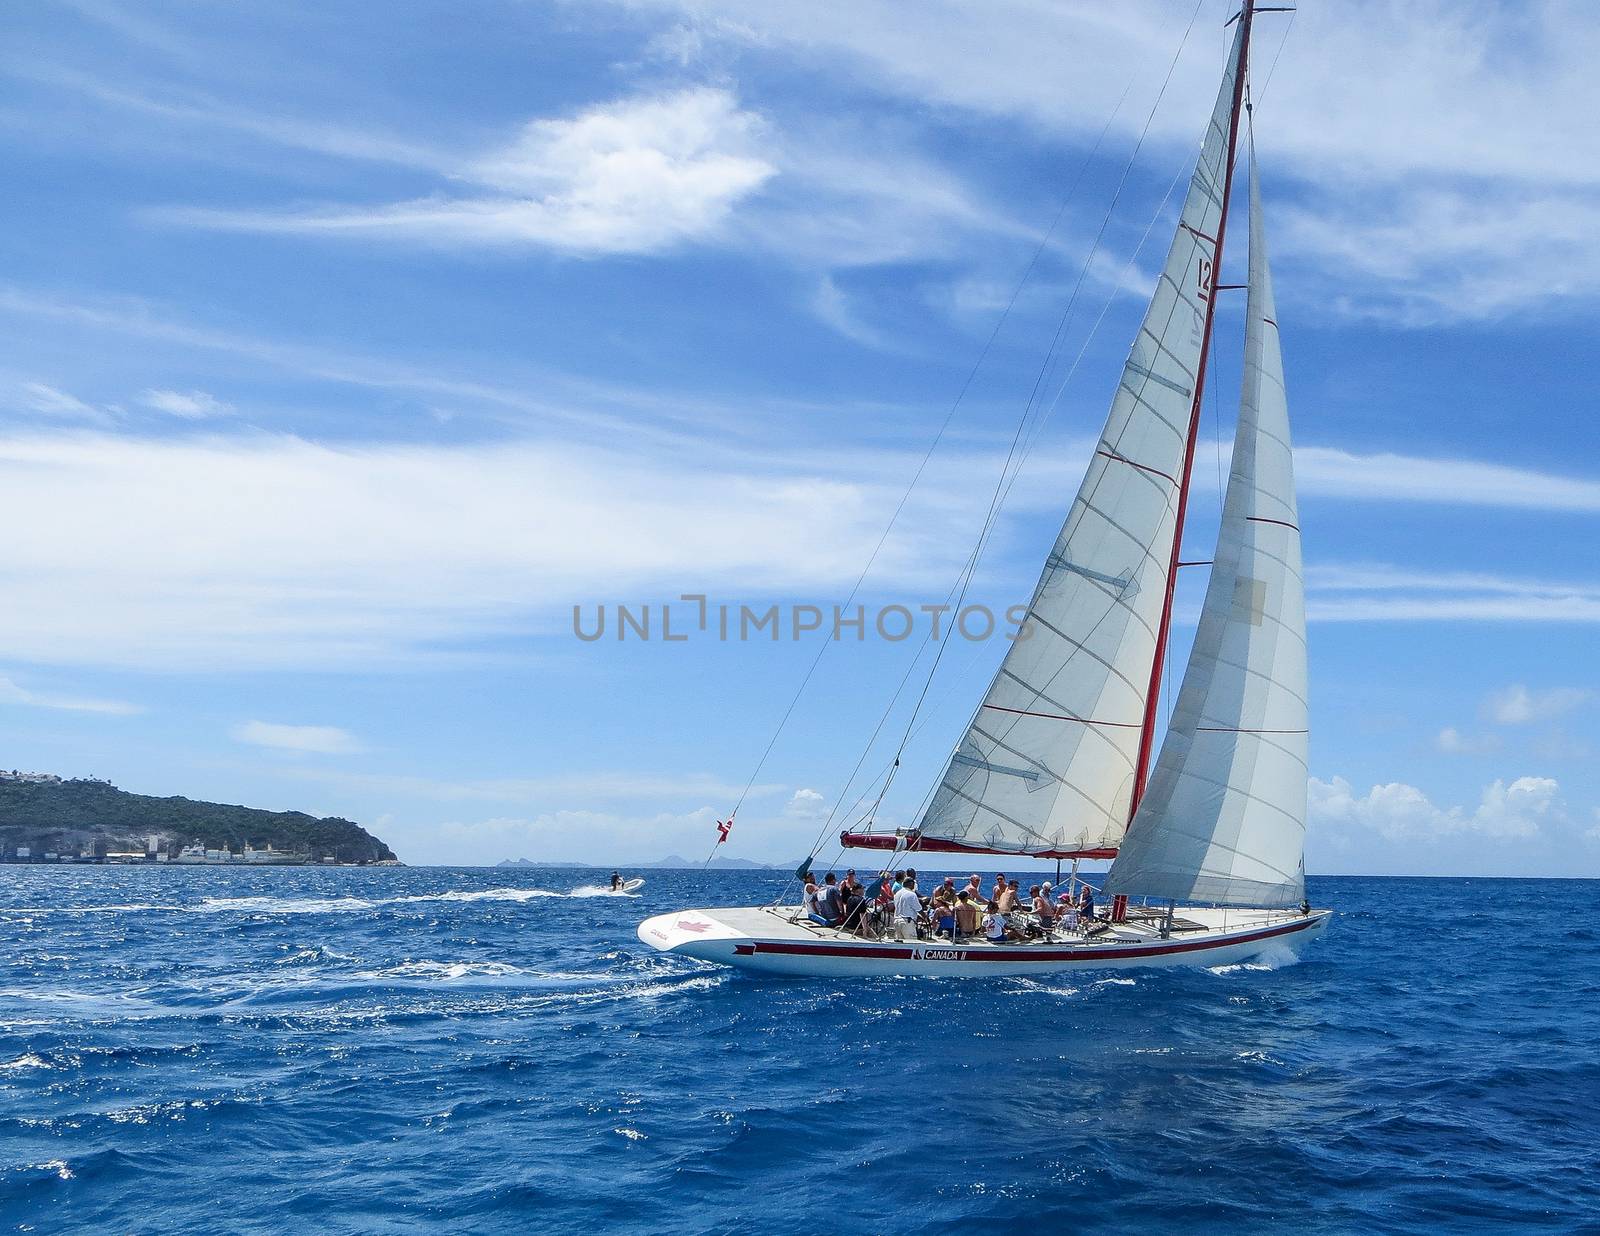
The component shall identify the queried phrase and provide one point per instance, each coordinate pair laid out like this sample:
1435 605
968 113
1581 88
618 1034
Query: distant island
675 861
47 818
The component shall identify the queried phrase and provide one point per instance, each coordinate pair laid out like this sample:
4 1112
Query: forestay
1047 764
1223 820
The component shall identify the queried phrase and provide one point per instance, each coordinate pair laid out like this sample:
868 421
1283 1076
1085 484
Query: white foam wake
341 905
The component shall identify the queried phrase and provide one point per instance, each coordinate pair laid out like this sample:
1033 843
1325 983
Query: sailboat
1059 760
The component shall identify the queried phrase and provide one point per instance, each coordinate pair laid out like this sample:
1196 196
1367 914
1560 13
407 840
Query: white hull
768 940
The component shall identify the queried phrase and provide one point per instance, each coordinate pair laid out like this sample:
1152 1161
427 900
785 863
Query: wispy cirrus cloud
186 405
13 693
636 175
39 399
1365 592
1334 472
1451 741
1427 200
618 785
1518 705
298 739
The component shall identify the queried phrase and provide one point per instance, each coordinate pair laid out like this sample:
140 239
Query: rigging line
1073 370
961 394
1002 487
1009 474
1272 68
1055 401
1116 196
1216 422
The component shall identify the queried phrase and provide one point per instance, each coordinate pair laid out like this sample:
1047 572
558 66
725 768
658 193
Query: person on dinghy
616 881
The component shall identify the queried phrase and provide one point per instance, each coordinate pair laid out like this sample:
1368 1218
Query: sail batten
1223 820
1071 699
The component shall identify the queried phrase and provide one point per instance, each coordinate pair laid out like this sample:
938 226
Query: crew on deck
891 906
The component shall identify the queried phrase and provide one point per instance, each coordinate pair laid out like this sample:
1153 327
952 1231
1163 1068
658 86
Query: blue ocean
486 1050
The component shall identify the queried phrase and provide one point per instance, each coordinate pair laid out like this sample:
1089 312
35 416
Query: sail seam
1038 692
1135 464
1001 740
1244 729
1053 716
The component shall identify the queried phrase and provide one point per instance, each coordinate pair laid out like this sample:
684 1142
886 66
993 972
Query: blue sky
347 350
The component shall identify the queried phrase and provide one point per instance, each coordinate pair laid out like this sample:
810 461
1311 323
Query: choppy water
482 1050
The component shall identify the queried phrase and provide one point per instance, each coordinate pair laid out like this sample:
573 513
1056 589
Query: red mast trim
1153 699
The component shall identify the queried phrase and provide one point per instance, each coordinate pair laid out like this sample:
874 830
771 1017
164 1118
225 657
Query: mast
1224 820
1209 280
1047 765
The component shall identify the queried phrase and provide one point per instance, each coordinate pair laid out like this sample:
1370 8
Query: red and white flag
724 827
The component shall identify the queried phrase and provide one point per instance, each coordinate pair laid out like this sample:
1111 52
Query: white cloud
635 175
317 739
187 405
1425 198
1593 834
1451 741
1516 705
831 305
257 550
39 399
12 693
600 786
273 550
1332 472
1400 812
806 805
1337 592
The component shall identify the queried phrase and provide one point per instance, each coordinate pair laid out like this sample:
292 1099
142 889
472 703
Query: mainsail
1223 820
1050 761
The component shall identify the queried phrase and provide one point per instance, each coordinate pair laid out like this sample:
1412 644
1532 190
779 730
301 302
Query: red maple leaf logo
689 924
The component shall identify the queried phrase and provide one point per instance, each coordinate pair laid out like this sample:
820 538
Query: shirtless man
1044 905
1006 899
967 916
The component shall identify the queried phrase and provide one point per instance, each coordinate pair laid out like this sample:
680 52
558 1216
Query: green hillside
94 815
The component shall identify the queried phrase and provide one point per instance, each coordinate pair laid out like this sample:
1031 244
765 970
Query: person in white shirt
808 900
994 924
907 907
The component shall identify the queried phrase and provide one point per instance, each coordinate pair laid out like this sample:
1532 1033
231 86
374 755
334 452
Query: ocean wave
263 904
133 908
444 970
285 905
482 894
1275 957
345 905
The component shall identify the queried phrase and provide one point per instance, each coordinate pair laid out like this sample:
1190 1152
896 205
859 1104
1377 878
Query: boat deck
1143 924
